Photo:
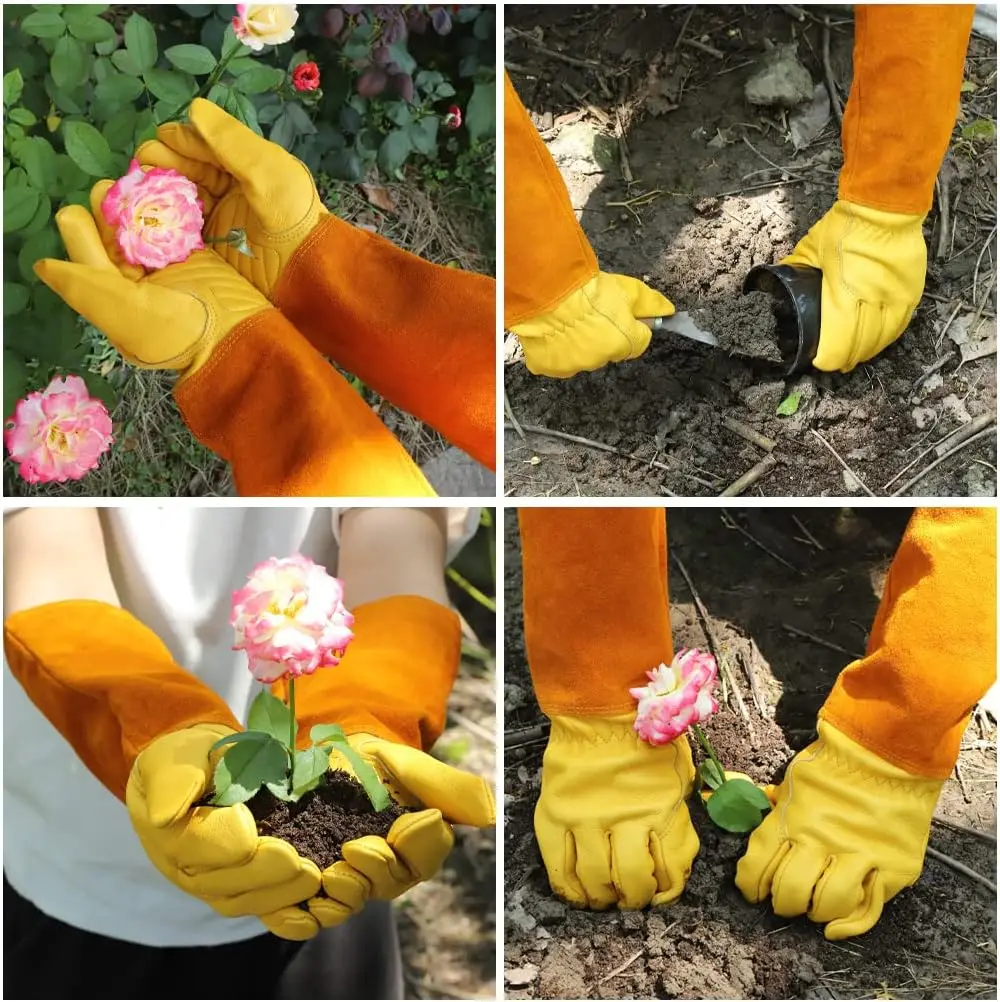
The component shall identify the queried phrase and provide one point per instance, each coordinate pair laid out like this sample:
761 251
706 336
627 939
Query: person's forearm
54 554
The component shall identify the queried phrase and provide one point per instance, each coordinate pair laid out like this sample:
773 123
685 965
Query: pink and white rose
290 619
260 24
677 697
157 216
59 433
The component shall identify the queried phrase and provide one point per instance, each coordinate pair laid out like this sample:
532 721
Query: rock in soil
337 811
782 81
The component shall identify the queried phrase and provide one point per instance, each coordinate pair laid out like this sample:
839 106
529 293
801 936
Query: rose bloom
59 433
453 120
290 619
157 216
260 24
305 76
676 697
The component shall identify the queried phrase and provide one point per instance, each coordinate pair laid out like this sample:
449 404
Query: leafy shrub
86 84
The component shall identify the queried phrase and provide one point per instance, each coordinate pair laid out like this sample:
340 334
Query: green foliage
738 806
710 774
790 404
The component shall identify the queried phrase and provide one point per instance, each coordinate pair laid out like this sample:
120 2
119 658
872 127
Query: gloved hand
874 265
168 319
611 821
245 182
417 843
598 323
848 833
214 853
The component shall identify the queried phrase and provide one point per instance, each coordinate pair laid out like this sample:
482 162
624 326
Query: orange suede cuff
596 614
547 256
106 683
908 65
289 423
932 650
421 335
394 680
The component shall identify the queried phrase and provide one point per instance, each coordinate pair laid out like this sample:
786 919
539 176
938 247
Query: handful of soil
337 811
747 326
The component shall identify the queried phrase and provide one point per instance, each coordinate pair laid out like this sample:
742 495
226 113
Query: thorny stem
471 590
709 750
292 729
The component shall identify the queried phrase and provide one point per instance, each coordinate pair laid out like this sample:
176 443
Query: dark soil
746 326
717 211
934 940
337 811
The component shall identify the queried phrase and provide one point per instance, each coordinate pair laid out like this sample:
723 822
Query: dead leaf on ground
380 197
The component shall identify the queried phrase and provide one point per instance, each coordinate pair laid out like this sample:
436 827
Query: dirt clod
745 326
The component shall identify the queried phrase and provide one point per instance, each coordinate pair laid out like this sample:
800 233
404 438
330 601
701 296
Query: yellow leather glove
598 323
417 844
169 319
245 182
874 266
848 833
213 853
611 821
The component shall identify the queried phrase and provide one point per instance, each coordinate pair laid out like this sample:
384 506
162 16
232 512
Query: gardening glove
596 324
419 334
213 853
848 832
853 815
611 821
874 264
391 714
252 389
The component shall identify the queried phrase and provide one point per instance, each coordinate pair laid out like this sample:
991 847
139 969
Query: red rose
453 120
305 76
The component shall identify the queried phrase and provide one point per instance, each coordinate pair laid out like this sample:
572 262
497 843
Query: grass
449 222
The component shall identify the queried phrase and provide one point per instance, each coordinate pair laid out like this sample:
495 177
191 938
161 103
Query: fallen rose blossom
453 120
677 697
260 24
59 433
305 77
156 214
290 619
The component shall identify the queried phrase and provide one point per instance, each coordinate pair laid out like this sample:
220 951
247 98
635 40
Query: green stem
292 729
213 79
471 590
709 750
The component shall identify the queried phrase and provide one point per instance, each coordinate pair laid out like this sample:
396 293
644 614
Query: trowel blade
681 323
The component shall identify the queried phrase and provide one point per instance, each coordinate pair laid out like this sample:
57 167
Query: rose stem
709 750
213 79
291 729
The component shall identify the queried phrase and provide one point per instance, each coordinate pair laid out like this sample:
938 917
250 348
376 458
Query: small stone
519 977
781 82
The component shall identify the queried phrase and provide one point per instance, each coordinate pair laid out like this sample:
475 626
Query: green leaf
197 9
320 733
395 148
968 87
44 244
283 131
42 215
171 85
343 164
19 208
36 155
300 119
120 128
127 63
44 24
245 768
270 715
258 80
140 41
13 87
88 149
85 26
119 89
242 107
982 128
738 806
308 768
145 127
790 404
400 55
15 381
480 113
366 776
242 64
99 387
23 117
423 135
15 298
191 58
710 775
444 90
398 112
69 177
69 63
239 737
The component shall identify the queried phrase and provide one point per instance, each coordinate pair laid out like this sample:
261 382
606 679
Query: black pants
48 959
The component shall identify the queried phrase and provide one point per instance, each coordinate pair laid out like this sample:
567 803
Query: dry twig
985 836
960 867
709 50
937 462
805 532
750 663
622 967
730 523
748 433
509 411
837 456
831 83
959 434
755 473
529 39
829 644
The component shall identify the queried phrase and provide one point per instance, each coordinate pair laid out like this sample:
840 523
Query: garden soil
820 572
718 188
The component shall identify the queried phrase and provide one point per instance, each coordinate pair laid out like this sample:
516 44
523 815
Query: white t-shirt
68 844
